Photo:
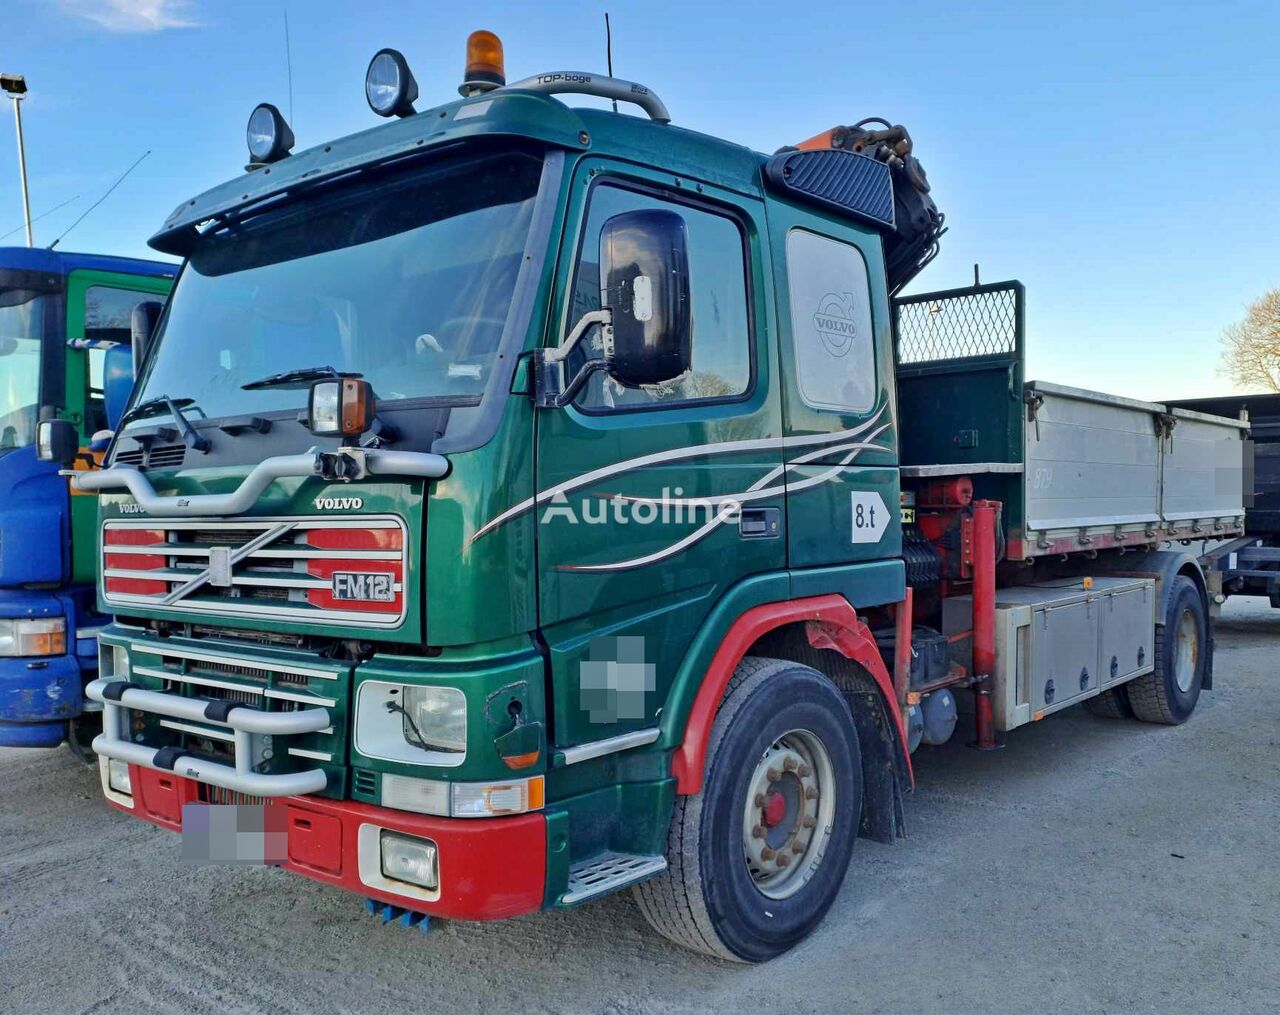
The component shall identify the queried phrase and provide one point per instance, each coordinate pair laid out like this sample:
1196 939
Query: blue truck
61 315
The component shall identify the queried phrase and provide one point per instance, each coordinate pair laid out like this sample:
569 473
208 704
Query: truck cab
59 313
514 504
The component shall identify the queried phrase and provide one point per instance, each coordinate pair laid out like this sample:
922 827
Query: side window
831 323
108 317
721 316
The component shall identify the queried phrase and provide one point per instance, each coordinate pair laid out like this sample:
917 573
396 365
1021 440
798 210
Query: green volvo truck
521 503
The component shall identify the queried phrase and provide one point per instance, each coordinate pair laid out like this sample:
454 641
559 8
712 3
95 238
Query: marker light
485 70
389 85
268 136
342 407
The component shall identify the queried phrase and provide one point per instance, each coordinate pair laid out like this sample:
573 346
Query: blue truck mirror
117 382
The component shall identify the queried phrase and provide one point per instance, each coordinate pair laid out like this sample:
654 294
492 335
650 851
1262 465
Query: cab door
633 550
99 311
839 408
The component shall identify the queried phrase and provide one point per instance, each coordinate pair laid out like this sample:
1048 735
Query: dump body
1076 470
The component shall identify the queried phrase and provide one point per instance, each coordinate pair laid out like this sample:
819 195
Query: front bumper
37 697
489 868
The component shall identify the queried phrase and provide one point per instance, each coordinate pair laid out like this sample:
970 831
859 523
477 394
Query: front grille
271 680
217 795
335 573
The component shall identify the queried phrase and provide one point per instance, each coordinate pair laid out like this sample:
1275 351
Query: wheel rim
1186 654
787 820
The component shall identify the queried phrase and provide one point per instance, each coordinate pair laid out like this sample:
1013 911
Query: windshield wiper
163 403
295 378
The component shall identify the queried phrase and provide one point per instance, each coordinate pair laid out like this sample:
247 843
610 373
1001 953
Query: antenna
608 51
5 236
288 63
101 199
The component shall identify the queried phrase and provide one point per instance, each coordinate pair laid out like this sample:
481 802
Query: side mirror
143 323
57 440
117 381
644 281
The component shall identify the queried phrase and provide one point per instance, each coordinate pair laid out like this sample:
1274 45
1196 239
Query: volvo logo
339 503
834 322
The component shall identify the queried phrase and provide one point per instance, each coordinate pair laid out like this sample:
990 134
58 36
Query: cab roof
506 113
62 262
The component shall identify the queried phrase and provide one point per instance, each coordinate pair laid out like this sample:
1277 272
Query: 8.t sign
870 517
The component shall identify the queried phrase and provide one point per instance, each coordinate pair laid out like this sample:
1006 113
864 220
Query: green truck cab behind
546 494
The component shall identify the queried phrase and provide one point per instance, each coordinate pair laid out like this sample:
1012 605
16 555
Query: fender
831 623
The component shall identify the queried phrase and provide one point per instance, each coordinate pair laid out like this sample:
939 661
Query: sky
1121 160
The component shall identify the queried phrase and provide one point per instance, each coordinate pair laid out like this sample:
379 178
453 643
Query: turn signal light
485 70
342 407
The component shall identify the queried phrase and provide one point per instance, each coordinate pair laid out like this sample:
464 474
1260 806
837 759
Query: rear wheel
757 858
1112 704
80 733
1169 693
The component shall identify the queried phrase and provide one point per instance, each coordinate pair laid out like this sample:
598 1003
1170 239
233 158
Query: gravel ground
1092 866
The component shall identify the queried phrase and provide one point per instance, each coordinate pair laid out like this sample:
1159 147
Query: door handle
760 523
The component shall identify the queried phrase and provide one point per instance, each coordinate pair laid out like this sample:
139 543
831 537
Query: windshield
21 325
406 278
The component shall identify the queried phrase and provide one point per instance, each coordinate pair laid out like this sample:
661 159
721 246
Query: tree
1251 347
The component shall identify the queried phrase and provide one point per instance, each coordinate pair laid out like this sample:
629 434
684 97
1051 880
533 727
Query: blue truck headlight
44 636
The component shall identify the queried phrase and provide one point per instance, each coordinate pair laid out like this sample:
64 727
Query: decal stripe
676 455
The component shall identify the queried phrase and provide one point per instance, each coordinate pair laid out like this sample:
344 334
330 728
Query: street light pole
16 86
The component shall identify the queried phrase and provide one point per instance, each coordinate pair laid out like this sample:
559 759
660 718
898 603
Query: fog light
118 777
411 860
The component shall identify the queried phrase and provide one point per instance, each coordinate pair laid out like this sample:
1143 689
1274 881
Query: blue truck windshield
406 278
22 314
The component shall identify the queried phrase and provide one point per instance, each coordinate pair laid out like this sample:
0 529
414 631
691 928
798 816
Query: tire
723 893
1169 693
1110 704
80 733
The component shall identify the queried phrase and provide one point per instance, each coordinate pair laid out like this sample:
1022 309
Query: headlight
267 135
389 85
409 859
44 637
411 724
118 776
435 718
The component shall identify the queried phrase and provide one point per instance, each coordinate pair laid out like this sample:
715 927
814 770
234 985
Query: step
607 872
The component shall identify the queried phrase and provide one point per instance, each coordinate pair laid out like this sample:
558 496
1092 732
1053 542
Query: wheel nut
759 799
789 764
767 853
809 823
797 847
757 832
811 794
804 771
784 860
773 775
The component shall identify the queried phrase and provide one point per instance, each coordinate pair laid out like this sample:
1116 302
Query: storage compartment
1055 642
1128 634
928 654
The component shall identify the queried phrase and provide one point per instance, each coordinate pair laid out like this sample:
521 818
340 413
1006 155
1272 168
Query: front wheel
757 858
1169 693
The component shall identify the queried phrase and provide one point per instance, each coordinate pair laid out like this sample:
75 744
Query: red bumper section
490 869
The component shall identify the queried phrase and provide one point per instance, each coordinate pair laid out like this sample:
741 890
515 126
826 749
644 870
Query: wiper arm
295 378
162 403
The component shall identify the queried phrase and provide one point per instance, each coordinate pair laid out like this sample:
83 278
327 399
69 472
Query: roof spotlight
389 85
268 135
